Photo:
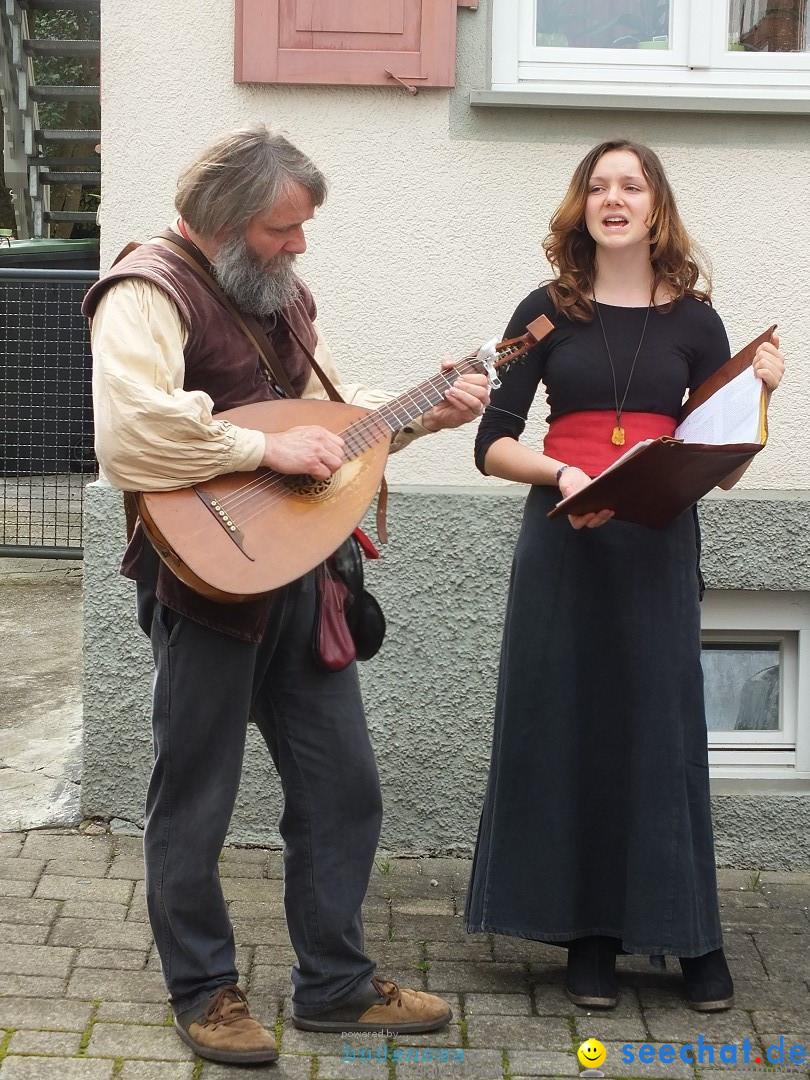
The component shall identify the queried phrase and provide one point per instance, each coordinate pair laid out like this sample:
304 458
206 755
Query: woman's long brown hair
676 262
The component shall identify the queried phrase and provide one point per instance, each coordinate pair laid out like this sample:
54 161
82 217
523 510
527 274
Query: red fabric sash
583 438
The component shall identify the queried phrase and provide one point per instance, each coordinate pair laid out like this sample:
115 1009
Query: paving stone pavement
81 994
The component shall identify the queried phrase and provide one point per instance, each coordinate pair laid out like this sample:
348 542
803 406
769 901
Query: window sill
658 98
723 782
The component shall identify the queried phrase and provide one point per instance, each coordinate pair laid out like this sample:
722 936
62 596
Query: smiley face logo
592 1054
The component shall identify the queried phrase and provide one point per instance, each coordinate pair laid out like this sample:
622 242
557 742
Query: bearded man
168 357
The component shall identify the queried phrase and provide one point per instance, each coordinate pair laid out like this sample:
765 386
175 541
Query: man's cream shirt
151 434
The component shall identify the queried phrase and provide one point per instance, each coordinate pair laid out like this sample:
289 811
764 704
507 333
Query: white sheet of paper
731 415
627 454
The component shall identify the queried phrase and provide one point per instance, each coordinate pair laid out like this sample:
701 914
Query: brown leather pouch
332 642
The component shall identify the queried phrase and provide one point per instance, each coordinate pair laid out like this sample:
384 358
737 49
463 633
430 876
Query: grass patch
754 882
576 1042
87 1034
5 1041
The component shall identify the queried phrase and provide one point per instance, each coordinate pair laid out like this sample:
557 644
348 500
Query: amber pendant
617 438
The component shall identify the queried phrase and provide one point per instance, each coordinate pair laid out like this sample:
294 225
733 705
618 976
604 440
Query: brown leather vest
220 360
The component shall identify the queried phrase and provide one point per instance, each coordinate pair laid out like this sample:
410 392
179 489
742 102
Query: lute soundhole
307 487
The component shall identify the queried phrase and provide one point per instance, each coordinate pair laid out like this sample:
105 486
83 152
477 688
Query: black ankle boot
708 982
591 976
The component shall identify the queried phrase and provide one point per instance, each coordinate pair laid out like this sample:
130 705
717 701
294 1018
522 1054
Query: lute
242 534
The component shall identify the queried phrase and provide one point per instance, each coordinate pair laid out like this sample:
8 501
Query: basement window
756 668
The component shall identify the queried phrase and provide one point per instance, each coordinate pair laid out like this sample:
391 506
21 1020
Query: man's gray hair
241 175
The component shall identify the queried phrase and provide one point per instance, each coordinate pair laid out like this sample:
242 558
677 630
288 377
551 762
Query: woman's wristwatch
560 471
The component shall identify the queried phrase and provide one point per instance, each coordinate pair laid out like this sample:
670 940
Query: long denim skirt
596 818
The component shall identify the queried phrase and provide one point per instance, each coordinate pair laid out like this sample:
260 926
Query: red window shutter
353 42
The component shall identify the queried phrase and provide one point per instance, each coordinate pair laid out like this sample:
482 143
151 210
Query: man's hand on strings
313 451
464 401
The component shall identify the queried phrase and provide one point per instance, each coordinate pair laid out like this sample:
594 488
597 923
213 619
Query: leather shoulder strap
249 326
327 383
133 245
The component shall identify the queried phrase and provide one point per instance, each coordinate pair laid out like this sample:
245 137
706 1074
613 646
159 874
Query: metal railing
32 160
46 425
21 114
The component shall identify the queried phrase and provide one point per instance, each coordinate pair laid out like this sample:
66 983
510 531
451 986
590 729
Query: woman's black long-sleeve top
682 346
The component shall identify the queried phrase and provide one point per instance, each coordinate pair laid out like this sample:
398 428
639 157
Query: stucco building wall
431 233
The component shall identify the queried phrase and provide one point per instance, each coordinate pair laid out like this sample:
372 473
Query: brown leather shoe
222 1029
382 1007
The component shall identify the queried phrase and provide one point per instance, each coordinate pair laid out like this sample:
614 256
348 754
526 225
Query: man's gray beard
255 286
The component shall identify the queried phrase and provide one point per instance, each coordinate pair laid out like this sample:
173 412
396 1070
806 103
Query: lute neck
403 410
413 403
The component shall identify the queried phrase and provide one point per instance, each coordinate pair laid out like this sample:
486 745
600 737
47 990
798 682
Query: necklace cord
620 405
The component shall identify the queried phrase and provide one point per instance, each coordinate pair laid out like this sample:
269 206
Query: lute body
275 528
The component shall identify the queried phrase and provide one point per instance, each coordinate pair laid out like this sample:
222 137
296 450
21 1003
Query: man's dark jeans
207 686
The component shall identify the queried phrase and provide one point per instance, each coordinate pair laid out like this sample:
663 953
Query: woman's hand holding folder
572 481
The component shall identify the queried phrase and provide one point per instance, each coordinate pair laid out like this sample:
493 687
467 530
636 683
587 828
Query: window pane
741 686
767 25
604 24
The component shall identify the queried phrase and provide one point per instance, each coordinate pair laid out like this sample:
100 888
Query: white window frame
785 738
738 616
698 74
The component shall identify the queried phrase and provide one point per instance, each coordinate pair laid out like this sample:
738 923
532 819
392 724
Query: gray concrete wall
429 692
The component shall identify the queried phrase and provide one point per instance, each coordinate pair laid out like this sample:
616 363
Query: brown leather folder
666 476
661 481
